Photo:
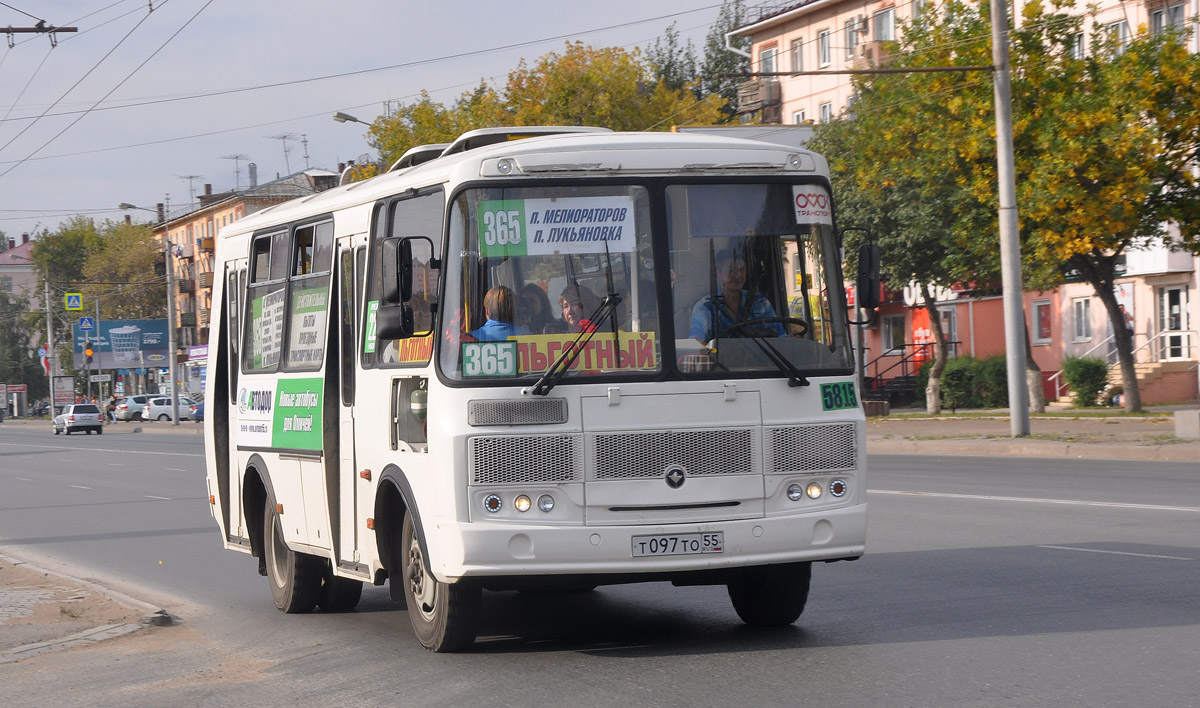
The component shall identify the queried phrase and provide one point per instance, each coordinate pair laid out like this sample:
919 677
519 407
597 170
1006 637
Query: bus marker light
837 488
545 502
795 492
522 503
212 500
814 491
492 503
279 508
365 474
371 524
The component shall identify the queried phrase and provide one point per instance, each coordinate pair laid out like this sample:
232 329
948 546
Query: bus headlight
837 488
795 492
492 503
814 491
545 502
522 503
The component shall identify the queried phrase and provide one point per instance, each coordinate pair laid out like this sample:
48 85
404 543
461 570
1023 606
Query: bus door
350 274
235 290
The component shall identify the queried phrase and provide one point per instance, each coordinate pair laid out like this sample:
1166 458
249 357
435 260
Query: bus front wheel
771 595
443 615
295 578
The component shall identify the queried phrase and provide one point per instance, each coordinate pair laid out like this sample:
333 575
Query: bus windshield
571 269
537 265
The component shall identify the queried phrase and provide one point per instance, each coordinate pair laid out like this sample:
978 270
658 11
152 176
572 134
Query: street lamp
171 343
347 118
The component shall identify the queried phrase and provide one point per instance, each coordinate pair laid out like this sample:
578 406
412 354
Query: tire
56 430
99 431
163 417
339 594
66 430
295 578
443 615
771 595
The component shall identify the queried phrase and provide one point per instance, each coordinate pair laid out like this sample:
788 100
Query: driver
737 305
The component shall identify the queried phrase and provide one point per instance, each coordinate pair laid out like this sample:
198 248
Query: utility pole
171 343
1010 245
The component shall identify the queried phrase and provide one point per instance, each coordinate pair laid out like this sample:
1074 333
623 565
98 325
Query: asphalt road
988 582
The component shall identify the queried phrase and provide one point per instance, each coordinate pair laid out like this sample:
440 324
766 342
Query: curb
1181 452
152 616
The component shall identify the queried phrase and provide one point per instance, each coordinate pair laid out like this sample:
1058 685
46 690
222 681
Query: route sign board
100 378
74 301
87 323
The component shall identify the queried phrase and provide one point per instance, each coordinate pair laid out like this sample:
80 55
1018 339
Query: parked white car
79 416
159 408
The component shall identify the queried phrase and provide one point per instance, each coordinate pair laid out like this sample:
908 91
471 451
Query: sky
144 106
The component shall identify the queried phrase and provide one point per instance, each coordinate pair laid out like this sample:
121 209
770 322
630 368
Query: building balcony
205 279
207 245
758 94
186 251
187 319
187 285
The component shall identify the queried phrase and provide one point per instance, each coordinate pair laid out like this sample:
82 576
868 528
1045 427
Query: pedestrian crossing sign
74 301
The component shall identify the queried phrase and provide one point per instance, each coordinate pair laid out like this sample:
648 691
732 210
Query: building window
1119 31
5 284
1075 48
824 53
766 60
797 55
894 334
826 112
1042 334
798 118
1082 309
918 8
885 25
1175 17
851 36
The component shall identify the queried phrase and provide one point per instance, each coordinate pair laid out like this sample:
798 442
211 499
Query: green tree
1104 148
675 64
120 273
18 346
719 62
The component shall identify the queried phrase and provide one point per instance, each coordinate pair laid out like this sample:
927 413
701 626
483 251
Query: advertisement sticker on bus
535 353
536 227
282 414
813 205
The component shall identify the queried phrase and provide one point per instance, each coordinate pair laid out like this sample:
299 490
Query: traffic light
88 353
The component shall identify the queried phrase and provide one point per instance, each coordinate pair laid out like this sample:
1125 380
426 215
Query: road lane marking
1117 553
77 486
151 496
24 479
105 449
1034 500
175 469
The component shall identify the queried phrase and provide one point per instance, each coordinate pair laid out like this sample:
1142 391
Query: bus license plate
679 544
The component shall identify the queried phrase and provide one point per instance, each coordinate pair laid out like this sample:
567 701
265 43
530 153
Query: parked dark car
197 411
79 416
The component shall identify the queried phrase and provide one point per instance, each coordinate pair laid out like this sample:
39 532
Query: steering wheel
748 324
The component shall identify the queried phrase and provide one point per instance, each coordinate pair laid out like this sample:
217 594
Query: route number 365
489 359
501 228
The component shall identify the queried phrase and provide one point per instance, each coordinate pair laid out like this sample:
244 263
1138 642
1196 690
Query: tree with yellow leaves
1106 147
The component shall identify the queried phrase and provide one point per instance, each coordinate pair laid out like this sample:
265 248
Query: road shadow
880 599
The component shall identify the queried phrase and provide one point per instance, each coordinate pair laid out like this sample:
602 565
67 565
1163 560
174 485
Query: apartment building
1159 288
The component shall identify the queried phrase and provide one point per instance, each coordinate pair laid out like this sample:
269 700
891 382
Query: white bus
572 359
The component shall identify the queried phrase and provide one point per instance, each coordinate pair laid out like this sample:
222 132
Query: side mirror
397 271
867 285
394 321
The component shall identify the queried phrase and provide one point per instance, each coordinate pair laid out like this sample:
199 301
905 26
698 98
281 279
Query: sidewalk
1087 435
186 427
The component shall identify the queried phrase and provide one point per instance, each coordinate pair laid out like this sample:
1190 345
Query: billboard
122 344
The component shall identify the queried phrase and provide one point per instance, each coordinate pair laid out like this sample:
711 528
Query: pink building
1159 287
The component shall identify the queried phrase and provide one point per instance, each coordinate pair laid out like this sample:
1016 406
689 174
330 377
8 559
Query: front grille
719 451
811 448
540 411
514 459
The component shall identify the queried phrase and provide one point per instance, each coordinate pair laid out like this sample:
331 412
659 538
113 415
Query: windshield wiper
607 308
548 380
795 378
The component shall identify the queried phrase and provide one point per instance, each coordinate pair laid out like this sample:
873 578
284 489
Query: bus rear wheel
339 594
443 615
295 578
771 595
